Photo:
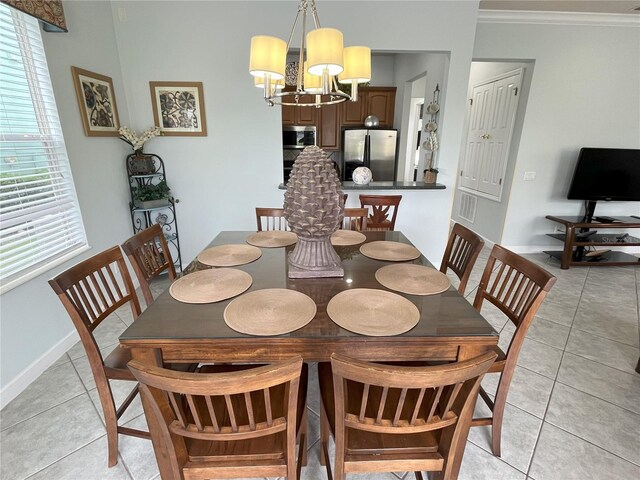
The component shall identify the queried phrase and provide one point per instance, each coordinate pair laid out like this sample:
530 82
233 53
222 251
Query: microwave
298 137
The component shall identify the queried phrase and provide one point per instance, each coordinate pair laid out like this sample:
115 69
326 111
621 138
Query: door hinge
515 91
460 172
500 182
471 101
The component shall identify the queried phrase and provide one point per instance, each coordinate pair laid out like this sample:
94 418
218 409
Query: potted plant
430 172
151 195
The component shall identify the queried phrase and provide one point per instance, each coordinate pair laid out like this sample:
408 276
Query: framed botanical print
178 108
97 102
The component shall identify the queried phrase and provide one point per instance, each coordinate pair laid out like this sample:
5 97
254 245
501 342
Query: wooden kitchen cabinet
381 102
329 127
300 115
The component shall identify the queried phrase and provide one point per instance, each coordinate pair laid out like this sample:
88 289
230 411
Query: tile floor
573 411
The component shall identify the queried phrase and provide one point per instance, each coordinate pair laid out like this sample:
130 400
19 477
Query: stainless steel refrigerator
374 148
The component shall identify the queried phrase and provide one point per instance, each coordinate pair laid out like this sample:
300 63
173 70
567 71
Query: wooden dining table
170 331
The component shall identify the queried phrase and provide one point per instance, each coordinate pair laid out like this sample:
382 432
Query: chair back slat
249 405
461 253
383 401
383 210
212 414
451 397
271 219
363 402
436 393
402 400
148 252
267 406
223 406
400 406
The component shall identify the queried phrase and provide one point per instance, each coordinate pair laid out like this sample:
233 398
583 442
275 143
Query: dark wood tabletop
190 332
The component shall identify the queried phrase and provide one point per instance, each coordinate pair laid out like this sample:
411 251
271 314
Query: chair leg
498 411
110 420
324 433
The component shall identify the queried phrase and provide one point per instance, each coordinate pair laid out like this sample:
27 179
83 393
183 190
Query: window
40 222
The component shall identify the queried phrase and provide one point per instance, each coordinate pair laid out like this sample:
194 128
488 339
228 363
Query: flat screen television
606 174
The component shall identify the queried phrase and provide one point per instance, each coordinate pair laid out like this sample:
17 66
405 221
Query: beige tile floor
573 411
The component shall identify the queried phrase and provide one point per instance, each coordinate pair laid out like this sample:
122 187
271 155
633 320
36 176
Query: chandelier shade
268 57
357 65
324 51
312 83
278 84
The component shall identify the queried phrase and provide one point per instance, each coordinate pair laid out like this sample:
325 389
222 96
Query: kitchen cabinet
300 115
329 127
329 119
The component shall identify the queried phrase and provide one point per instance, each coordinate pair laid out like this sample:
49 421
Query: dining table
170 331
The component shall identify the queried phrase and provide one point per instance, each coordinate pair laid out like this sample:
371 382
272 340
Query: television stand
576 249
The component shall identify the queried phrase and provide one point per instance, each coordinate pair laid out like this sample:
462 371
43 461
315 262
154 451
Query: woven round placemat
209 286
229 255
347 237
272 239
413 279
389 251
272 311
373 312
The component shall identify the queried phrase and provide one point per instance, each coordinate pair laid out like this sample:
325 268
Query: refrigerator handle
367 151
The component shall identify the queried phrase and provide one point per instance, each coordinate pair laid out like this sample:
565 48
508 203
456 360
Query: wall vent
468 207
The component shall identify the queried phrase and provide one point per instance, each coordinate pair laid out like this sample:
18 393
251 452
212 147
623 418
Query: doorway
496 104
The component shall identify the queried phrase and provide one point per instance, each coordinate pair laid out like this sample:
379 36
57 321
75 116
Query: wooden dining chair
271 219
229 423
517 287
394 419
149 254
461 254
355 219
381 207
91 291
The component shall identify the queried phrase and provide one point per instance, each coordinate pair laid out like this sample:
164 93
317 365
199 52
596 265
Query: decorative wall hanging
97 102
178 108
49 12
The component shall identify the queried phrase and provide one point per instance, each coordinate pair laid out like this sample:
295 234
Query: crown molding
559 18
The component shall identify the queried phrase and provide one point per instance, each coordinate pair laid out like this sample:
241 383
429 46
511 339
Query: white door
474 151
493 113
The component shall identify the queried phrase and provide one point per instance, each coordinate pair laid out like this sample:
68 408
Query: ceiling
592 6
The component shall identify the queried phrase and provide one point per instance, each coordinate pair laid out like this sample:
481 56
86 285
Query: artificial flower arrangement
131 137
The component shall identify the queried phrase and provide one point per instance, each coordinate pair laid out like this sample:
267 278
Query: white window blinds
39 215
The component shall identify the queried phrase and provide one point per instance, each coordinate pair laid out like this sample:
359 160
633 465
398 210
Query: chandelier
321 59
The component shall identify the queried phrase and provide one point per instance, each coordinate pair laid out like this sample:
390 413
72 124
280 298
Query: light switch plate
529 176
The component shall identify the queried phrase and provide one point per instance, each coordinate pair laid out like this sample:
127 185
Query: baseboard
17 385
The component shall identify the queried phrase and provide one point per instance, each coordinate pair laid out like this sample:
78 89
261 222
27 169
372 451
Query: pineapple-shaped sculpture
314 207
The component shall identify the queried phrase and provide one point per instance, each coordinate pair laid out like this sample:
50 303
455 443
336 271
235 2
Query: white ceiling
593 6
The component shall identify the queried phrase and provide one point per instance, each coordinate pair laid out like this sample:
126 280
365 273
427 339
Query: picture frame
178 108
97 103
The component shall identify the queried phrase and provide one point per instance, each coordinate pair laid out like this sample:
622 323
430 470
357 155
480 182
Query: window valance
49 12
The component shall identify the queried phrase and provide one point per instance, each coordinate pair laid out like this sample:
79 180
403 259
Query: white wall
490 214
33 320
382 66
409 67
584 92
220 178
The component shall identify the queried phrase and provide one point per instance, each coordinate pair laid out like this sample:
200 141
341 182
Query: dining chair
381 207
355 219
271 219
91 291
149 254
229 423
387 418
461 254
517 287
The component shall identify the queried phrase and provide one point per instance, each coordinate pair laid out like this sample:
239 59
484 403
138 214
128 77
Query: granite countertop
387 186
